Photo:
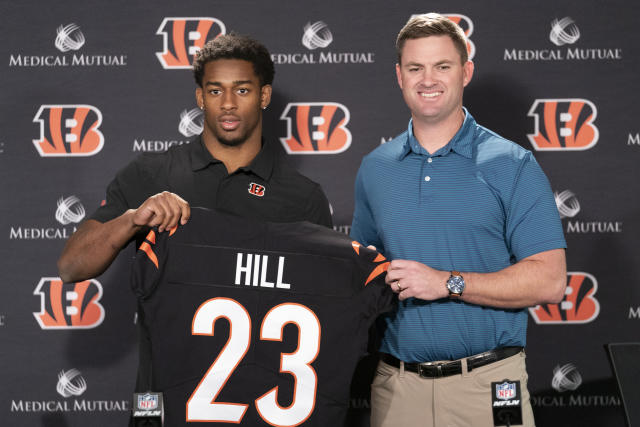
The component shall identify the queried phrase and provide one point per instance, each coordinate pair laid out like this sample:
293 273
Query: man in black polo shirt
228 167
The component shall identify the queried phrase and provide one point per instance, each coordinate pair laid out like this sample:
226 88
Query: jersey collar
262 165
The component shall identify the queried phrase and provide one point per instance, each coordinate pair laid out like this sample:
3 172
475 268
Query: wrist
455 284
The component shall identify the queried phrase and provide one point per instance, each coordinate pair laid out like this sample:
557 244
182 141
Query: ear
265 96
399 75
199 98
467 72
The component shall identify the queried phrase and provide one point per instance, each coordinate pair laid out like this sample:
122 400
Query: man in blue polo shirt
470 222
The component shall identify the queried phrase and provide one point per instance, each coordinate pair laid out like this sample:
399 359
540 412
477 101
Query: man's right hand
164 210
94 246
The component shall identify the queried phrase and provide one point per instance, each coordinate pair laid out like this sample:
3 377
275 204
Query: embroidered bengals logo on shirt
256 189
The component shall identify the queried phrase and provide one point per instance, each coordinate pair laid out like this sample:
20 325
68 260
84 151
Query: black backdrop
91 78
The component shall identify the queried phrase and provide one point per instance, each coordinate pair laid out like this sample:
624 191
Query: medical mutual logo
70 210
567 203
564 35
569 207
564 31
189 124
69 40
317 37
71 383
565 381
70 386
566 377
69 213
69 37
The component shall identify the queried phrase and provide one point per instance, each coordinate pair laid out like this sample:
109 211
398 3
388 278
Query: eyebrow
235 83
419 64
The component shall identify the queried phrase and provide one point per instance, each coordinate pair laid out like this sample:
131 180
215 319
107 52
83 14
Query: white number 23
202 405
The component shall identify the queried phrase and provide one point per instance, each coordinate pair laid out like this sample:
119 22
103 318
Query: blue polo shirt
478 204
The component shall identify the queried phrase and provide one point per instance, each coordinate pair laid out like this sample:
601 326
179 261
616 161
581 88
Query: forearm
92 248
538 279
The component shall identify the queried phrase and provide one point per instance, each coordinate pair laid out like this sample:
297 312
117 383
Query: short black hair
235 46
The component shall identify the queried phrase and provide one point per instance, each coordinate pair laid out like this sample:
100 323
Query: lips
430 94
229 123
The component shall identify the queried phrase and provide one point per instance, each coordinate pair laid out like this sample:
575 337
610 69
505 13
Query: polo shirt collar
262 165
461 143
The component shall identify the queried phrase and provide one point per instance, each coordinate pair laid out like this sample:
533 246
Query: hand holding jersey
163 210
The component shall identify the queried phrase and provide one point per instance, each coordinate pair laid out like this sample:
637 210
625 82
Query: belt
445 369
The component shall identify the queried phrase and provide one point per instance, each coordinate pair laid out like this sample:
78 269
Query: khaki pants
401 398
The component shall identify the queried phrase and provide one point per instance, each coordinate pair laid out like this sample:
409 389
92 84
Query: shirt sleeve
533 222
318 211
131 186
363 227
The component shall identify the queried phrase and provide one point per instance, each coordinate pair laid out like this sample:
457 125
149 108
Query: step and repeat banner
87 86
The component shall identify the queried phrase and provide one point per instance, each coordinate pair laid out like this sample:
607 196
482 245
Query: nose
228 100
427 77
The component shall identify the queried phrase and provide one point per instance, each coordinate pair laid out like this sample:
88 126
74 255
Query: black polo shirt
268 189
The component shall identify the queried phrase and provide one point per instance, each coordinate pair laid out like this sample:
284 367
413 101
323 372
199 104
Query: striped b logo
316 128
184 37
68 130
563 124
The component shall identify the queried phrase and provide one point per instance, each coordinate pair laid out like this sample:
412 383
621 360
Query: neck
433 135
233 157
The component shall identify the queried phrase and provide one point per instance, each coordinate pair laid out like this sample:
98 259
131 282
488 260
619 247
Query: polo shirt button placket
427 178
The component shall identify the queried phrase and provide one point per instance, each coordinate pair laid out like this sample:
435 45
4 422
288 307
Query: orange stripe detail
55 118
146 248
302 125
151 237
551 123
377 271
56 302
379 258
356 246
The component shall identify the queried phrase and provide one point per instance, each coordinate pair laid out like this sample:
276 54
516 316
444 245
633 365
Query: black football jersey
256 323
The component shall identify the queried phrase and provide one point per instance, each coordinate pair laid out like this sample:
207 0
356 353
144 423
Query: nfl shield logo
505 391
147 401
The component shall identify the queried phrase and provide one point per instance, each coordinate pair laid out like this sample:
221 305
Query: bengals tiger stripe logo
184 37
578 305
149 242
68 130
563 124
383 264
256 189
69 305
316 128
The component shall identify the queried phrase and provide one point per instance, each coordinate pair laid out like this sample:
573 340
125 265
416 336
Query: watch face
455 284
